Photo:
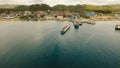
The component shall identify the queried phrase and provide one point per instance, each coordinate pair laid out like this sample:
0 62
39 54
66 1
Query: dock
88 21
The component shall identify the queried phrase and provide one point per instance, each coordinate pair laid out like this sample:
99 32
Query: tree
45 7
78 8
59 7
37 7
21 8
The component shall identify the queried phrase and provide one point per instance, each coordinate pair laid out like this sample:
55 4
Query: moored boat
117 27
76 25
65 28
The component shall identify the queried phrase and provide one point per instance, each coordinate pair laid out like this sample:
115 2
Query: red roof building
59 16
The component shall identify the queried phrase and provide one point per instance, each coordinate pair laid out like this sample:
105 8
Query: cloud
66 2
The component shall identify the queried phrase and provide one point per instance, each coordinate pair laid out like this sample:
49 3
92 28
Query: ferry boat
117 27
65 28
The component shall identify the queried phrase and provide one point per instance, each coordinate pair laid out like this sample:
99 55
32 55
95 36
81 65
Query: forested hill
74 8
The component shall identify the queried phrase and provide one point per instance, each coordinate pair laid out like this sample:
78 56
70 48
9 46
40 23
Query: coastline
64 19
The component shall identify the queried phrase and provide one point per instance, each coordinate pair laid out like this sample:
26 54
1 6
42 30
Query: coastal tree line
72 8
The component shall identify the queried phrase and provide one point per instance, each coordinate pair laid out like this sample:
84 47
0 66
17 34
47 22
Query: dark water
40 45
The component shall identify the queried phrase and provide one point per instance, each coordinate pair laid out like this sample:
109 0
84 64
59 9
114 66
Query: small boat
76 25
117 27
91 22
65 28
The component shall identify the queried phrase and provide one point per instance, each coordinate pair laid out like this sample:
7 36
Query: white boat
117 27
65 28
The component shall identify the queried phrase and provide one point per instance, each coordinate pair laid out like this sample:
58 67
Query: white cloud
54 2
20 1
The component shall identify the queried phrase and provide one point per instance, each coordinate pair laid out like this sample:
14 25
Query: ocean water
30 44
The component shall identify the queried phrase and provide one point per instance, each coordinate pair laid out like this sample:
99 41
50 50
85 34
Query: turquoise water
40 45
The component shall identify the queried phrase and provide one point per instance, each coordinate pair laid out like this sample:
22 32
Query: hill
8 6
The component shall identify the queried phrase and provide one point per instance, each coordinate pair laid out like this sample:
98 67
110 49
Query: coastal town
50 14
55 15
59 33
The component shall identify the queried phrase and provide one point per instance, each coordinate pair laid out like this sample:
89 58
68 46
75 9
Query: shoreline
64 19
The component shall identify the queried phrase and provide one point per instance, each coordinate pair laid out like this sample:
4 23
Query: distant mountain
8 6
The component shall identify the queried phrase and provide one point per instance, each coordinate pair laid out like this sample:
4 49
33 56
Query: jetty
80 21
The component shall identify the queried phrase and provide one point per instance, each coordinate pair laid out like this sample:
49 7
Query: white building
27 13
60 16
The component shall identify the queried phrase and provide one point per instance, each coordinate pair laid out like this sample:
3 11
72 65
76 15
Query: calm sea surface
40 45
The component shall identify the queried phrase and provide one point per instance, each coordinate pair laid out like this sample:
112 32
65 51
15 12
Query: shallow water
40 45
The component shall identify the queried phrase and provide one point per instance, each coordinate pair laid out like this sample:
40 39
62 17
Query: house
116 14
49 17
27 13
90 14
59 16
19 13
71 17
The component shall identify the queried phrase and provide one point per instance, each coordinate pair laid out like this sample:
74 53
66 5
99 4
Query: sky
54 2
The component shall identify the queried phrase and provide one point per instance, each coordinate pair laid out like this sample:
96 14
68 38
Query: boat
117 27
65 28
76 25
91 22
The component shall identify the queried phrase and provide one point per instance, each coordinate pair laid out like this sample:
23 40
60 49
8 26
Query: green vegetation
21 8
37 7
28 17
106 9
72 8
24 18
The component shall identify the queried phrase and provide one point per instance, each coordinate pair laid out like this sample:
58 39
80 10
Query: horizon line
61 4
